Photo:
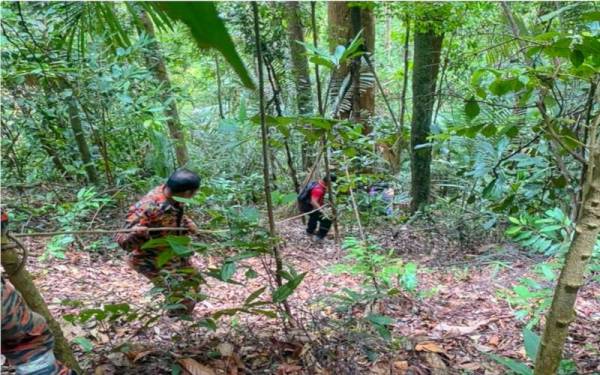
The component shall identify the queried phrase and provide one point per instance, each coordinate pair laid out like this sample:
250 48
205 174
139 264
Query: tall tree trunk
265 153
156 65
587 229
367 98
80 139
295 34
23 282
341 31
325 146
401 141
428 46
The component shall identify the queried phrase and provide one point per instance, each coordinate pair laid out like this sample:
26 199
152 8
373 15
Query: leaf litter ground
449 330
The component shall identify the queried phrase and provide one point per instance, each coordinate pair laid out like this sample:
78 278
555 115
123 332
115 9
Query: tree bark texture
341 32
427 49
80 139
401 141
587 229
23 282
156 65
300 71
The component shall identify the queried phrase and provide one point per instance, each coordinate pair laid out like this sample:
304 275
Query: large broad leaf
518 367
284 291
532 343
472 108
208 31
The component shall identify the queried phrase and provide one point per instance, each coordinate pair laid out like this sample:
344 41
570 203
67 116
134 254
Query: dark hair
183 180
332 177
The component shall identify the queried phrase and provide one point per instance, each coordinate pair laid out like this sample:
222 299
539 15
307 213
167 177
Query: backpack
304 196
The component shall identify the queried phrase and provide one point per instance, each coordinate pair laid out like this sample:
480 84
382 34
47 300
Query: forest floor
451 327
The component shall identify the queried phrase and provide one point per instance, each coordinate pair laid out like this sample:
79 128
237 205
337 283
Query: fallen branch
111 231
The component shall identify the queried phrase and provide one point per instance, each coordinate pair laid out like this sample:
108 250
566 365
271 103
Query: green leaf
208 30
381 320
489 130
513 230
180 244
383 332
576 57
284 291
472 108
268 313
227 271
500 87
254 295
532 343
518 367
522 291
514 220
409 276
85 344
164 257
208 323
550 228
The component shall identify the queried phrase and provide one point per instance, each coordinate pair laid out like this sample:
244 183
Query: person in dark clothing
314 200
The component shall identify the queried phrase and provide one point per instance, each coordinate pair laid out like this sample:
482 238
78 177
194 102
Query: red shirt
318 192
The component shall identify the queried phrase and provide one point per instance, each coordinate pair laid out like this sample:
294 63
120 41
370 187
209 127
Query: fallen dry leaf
459 330
400 367
136 356
494 340
194 368
429 347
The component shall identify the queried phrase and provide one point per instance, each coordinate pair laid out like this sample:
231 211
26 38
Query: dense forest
452 147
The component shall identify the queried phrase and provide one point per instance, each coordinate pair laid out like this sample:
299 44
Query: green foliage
208 31
532 343
531 297
85 344
383 276
376 267
549 234
293 281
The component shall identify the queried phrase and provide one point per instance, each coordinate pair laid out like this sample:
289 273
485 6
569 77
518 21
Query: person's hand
192 228
140 230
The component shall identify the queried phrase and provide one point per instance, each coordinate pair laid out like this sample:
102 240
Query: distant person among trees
311 199
27 342
158 209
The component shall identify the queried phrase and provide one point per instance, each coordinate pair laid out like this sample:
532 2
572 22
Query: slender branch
385 99
518 150
315 31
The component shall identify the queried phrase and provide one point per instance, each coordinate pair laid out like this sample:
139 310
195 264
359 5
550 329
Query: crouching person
177 277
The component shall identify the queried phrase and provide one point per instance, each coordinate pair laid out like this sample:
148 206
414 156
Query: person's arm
315 203
138 220
189 224
27 341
